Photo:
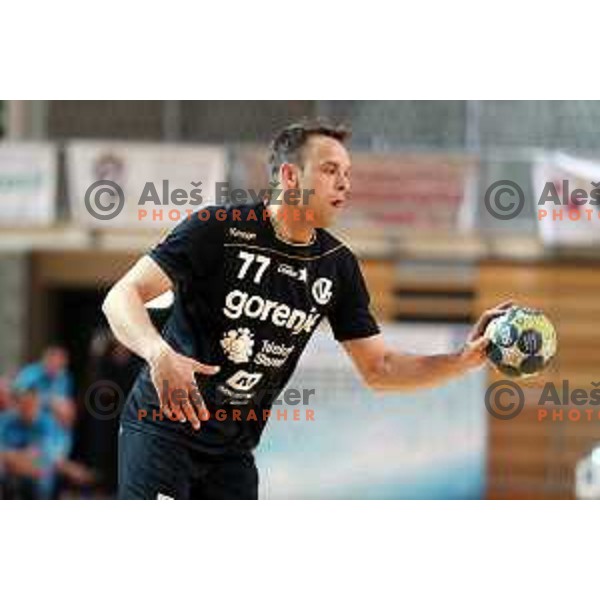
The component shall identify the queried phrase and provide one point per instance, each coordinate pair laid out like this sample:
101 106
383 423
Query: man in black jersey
251 285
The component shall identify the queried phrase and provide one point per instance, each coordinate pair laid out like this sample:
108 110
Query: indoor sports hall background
436 247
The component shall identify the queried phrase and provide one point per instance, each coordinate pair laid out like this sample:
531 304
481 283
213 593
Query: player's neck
287 226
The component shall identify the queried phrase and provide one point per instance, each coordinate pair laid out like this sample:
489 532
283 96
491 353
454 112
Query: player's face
326 170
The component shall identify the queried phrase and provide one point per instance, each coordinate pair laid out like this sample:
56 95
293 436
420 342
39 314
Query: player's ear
289 175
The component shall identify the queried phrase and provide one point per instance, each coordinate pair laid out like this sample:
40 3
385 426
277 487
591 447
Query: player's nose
343 184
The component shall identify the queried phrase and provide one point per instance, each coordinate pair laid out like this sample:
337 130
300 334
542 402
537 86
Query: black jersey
248 302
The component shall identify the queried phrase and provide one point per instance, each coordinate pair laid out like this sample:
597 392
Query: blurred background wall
432 253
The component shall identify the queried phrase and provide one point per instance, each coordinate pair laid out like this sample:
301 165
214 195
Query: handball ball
522 342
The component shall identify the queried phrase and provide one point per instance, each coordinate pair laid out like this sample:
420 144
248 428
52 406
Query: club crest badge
321 290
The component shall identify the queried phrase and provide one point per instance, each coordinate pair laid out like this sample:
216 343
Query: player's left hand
473 353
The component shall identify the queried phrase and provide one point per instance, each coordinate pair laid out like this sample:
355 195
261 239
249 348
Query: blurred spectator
51 380
49 376
26 449
31 454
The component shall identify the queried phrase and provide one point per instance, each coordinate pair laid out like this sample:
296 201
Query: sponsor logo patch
239 233
237 345
299 274
238 304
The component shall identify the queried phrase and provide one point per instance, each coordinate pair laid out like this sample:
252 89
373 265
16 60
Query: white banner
567 198
28 175
130 185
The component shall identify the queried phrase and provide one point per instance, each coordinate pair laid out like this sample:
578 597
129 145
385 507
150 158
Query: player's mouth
338 203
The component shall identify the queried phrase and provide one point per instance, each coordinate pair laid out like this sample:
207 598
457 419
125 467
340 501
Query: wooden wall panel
530 456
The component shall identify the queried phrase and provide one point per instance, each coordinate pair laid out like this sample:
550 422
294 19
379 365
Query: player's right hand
172 375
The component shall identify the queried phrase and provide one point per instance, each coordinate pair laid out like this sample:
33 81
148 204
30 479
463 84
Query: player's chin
326 220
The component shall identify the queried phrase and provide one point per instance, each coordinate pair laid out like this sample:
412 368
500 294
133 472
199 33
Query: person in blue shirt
51 380
49 376
28 449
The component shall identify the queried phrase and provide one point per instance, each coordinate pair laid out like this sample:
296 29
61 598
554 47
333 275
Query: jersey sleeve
350 317
192 249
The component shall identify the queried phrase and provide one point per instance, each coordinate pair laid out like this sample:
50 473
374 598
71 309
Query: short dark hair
287 145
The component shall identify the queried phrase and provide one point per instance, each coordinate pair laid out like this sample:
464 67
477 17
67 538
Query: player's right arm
125 309
128 317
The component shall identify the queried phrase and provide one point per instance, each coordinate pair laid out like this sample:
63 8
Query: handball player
251 284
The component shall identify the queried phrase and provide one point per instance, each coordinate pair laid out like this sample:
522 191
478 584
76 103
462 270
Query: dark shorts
153 467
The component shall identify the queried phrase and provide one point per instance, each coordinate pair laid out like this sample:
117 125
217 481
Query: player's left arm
384 368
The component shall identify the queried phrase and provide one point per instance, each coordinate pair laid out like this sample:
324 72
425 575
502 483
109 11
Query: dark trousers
153 467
